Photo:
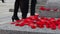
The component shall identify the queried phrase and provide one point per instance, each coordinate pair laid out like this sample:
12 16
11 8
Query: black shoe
14 18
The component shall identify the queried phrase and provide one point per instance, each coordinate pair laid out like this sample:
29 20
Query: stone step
12 29
19 32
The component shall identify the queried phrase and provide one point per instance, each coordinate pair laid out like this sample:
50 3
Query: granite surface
17 29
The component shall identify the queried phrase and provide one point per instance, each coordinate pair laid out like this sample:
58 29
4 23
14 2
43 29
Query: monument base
12 29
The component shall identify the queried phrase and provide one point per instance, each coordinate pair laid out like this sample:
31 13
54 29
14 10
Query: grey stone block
19 32
12 29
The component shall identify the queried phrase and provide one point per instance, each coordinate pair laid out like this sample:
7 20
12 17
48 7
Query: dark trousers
24 6
3 1
16 6
33 5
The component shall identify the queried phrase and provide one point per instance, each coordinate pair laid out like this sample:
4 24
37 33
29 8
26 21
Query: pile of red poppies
40 22
48 9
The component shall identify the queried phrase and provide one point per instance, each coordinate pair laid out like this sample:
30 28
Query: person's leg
25 8
33 5
16 7
2 1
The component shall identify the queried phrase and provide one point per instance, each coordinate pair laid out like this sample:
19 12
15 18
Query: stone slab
9 28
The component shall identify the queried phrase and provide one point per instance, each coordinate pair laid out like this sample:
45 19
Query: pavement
4 11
